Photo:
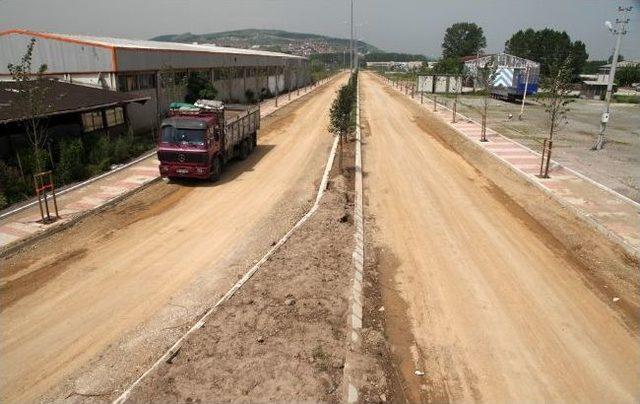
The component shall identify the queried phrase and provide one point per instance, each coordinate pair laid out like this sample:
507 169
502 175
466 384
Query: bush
3 201
265 93
71 167
250 96
122 149
199 86
13 187
101 151
629 99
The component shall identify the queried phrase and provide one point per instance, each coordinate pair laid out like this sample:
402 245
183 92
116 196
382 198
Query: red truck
197 140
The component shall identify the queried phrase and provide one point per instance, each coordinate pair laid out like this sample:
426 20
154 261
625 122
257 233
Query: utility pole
524 96
619 30
351 40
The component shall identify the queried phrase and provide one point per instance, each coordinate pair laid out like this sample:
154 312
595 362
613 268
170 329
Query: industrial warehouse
154 69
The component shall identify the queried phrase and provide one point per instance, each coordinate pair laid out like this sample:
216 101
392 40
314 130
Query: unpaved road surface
73 297
497 311
281 337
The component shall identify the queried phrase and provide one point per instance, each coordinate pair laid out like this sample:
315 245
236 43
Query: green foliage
620 58
627 75
393 57
463 39
13 188
250 96
628 99
122 149
548 47
448 66
199 86
265 93
341 122
71 168
592 66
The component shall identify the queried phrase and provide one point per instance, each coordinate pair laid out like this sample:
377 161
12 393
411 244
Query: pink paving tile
9 229
519 161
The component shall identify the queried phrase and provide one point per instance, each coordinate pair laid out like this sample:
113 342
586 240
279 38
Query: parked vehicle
513 75
197 140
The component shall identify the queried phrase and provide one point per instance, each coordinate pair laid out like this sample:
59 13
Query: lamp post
619 30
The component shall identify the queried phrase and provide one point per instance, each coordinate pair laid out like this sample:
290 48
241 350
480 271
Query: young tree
556 105
32 89
486 75
463 39
341 114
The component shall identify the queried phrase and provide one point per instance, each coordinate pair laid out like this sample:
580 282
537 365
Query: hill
272 40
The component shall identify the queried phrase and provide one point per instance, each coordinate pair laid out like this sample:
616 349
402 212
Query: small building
154 69
595 88
69 110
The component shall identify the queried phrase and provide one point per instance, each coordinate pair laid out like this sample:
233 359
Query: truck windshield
171 134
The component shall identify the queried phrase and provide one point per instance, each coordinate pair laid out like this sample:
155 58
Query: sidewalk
22 223
612 212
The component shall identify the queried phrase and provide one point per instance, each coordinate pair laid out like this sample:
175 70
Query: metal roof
137 44
62 98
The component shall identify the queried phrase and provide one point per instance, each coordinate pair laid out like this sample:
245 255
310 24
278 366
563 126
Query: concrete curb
175 348
354 319
577 212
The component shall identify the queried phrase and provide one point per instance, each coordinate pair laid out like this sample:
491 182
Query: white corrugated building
149 67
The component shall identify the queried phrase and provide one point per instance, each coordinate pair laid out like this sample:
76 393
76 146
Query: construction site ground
480 284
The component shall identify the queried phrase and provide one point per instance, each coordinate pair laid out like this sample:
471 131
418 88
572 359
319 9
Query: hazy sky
415 26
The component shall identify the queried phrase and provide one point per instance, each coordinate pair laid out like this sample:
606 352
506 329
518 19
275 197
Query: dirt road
498 312
79 294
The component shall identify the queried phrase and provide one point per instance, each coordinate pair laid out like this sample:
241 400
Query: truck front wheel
244 149
216 170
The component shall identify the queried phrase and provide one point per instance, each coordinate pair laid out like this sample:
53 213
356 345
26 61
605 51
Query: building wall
59 56
102 66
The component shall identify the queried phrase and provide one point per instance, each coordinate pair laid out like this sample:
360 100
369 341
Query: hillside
272 40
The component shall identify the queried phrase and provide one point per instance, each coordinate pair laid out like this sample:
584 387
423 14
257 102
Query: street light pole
351 39
524 96
620 30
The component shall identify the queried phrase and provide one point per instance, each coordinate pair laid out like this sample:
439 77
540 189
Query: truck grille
182 157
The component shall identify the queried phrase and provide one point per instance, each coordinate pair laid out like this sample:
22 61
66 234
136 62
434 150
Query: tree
555 102
448 66
486 77
342 121
548 47
627 75
463 39
199 86
620 58
31 102
592 66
